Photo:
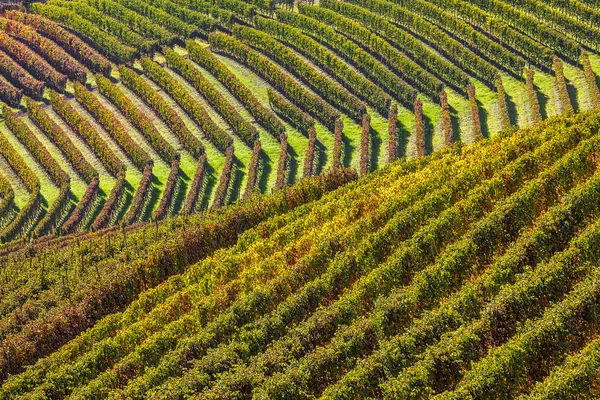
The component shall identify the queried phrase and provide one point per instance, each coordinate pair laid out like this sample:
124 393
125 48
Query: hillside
126 111
470 273
281 199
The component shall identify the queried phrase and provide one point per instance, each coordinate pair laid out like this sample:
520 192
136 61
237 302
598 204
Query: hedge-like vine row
18 165
108 25
26 216
590 78
71 43
419 129
580 10
245 130
290 112
338 143
403 66
224 181
62 203
161 17
505 122
140 196
402 40
224 10
570 27
513 304
168 193
309 157
354 54
471 37
533 51
577 375
262 66
201 20
534 103
196 186
147 93
83 207
106 43
531 27
10 94
365 145
392 147
53 53
263 116
7 195
477 131
61 140
328 89
253 170
447 130
266 5
86 131
558 331
133 20
282 164
19 77
112 203
137 117
35 148
561 84
211 130
328 61
32 62
438 39
116 130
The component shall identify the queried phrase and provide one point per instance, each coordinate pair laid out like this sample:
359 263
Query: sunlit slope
137 110
468 273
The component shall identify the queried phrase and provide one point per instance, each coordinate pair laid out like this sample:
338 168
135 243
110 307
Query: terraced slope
159 108
470 273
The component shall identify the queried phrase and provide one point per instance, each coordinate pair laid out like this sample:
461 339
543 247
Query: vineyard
470 273
295 199
116 112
